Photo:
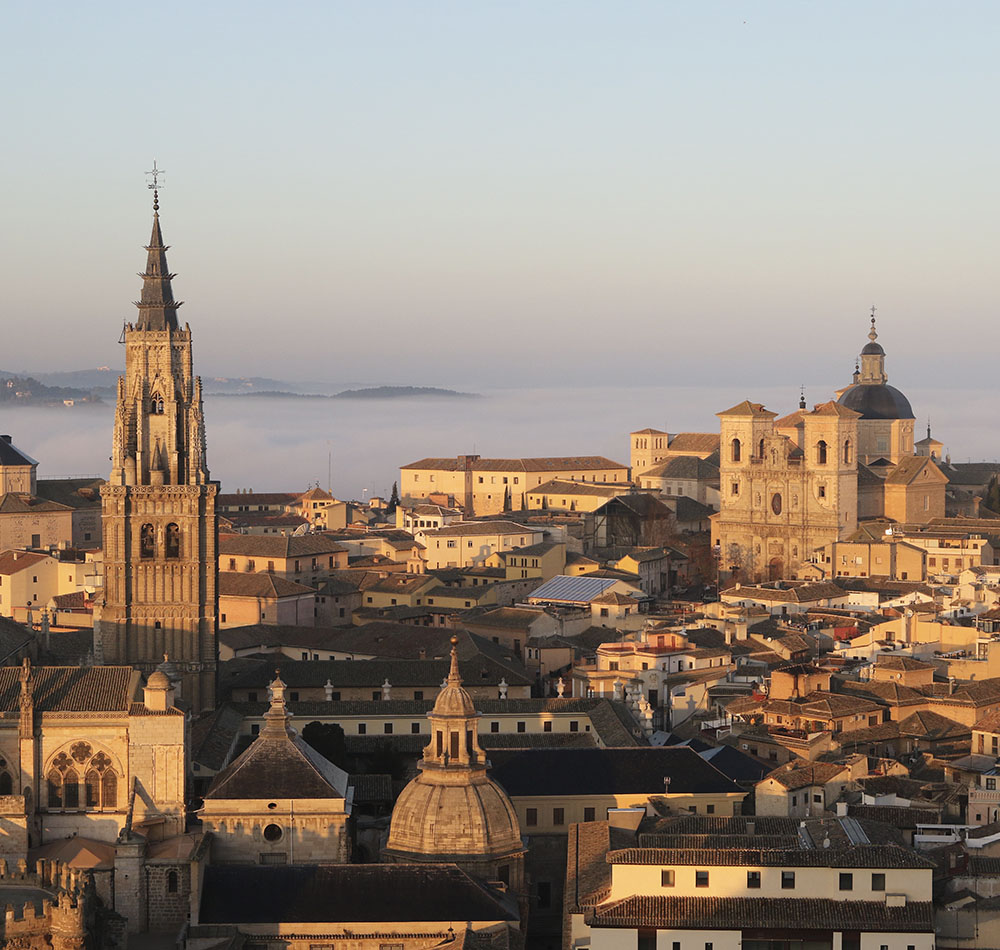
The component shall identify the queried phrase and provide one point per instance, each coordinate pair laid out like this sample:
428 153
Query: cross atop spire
156 174
872 335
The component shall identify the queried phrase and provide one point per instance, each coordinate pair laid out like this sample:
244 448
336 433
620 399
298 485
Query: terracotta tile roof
559 486
694 442
768 913
254 499
71 688
794 776
685 467
463 528
12 503
267 586
556 464
277 545
857 856
13 561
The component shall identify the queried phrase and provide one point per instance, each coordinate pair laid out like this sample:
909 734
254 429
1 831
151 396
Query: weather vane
156 174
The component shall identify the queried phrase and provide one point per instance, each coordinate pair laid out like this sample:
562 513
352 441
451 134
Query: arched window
55 789
821 452
736 450
173 540
147 541
71 789
109 790
92 789
6 784
847 451
760 449
171 882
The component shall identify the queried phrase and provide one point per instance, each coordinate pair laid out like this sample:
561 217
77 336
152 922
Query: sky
524 194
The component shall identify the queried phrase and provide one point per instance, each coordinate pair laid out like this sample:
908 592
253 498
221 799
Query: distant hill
372 392
16 390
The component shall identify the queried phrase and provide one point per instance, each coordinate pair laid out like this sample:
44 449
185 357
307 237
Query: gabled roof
694 442
278 764
268 586
579 588
684 467
459 529
794 776
13 561
277 545
747 408
913 467
834 409
70 688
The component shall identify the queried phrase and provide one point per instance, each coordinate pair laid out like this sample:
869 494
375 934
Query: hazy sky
509 193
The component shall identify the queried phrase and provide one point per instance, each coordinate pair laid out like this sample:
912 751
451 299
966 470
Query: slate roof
608 772
774 914
70 688
516 618
80 493
249 894
13 637
10 454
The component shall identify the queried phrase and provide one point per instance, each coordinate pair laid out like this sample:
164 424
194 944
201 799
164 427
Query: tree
992 498
394 497
327 738
506 498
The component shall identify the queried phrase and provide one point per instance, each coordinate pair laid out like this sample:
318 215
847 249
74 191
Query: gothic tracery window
147 541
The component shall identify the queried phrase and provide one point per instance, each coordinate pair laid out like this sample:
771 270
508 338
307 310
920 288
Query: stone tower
159 520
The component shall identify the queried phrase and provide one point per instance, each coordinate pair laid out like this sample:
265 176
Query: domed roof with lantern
870 394
452 811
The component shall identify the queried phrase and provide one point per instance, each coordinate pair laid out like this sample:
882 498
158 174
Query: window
710 809
588 814
666 878
362 728
387 728
147 543
735 489
701 878
418 694
753 879
272 833
494 727
547 726
558 816
878 882
991 784
821 452
171 882
521 727
232 564
788 880
821 491
574 726
415 728
531 817
735 450
846 881
173 540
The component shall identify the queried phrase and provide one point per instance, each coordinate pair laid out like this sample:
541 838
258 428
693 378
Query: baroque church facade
159 505
791 485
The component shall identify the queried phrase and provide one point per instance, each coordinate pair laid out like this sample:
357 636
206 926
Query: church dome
439 822
878 401
452 811
873 349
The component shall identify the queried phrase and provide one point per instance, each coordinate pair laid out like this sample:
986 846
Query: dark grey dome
873 349
879 401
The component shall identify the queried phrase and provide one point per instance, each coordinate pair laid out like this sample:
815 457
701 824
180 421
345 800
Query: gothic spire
157 308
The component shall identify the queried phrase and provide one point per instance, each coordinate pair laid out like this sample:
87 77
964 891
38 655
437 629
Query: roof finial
802 397
928 427
454 677
156 174
872 335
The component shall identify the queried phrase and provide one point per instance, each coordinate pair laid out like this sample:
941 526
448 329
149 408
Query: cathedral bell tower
158 507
